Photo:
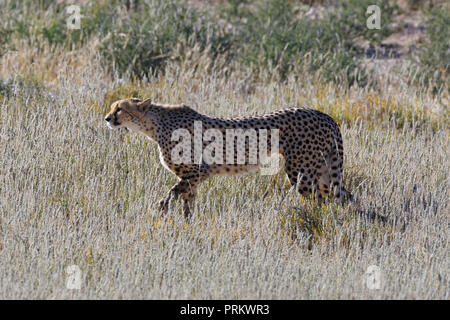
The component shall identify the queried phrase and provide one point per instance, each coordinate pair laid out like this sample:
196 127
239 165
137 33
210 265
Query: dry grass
73 192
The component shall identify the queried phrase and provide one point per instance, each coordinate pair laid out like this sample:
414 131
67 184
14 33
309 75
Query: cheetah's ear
145 103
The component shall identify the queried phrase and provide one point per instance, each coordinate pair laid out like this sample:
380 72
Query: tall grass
73 192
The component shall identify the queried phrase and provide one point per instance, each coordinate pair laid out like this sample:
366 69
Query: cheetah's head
127 113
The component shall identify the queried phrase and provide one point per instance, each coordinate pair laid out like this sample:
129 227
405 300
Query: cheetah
309 141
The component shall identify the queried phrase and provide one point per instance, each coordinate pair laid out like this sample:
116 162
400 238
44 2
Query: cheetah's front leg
185 189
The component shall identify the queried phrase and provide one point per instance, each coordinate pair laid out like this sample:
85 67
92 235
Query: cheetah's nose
107 119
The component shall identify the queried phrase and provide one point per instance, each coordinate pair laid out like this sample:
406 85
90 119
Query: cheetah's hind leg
331 183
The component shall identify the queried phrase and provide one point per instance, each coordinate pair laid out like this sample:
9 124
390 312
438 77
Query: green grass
432 60
267 34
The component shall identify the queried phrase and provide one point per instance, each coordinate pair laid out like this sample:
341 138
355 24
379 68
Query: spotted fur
309 141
